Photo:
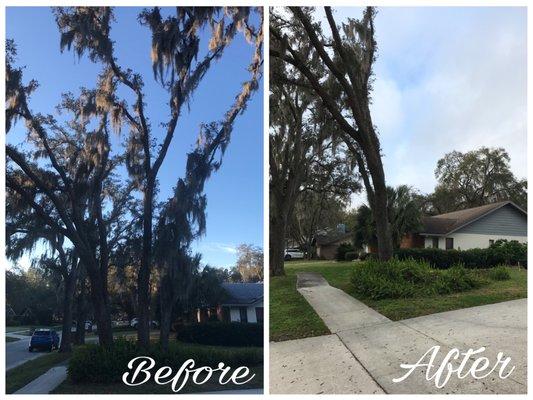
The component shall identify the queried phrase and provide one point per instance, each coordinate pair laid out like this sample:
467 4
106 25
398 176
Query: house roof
243 293
445 224
331 237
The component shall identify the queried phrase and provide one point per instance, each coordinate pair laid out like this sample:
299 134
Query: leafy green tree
176 47
405 212
475 178
337 69
182 218
293 141
65 176
32 292
326 193
249 263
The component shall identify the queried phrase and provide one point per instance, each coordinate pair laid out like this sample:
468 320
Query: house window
243 314
449 243
259 314
491 242
435 242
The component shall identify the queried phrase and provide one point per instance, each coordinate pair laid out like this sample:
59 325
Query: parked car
135 321
291 254
88 326
46 339
120 323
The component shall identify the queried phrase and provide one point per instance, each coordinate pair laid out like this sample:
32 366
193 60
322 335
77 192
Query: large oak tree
337 68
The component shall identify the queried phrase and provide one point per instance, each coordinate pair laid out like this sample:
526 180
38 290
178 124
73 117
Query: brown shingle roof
446 223
332 237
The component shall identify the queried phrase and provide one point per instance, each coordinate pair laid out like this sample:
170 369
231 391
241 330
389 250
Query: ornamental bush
222 334
350 255
342 250
500 253
92 363
500 273
409 278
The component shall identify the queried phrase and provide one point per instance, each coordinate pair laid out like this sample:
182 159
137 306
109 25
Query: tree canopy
475 178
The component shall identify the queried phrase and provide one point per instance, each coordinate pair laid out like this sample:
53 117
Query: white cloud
448 79
217 247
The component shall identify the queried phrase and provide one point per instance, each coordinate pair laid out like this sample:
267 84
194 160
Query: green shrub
367 256
500 253
222 334
350 255
409 278
342 250
95 364
500 273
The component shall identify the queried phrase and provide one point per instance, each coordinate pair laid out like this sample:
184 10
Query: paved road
379 346
17 352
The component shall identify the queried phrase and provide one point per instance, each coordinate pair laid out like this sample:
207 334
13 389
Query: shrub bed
95 364
500 253
500 273
342 250
350 255
410 278
222 334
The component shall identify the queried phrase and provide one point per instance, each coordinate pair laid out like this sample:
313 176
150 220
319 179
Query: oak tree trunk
101 307
66 335
81 312
378 203
278 226
143 280
166 321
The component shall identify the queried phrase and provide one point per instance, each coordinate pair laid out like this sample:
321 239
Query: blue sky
447 78
234 193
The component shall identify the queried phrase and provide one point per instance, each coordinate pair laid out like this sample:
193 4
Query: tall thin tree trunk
166 320
278 225
143 280
81 312
380 207
101 308
66 335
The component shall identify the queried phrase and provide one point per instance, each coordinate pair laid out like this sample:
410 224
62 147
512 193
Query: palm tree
404 210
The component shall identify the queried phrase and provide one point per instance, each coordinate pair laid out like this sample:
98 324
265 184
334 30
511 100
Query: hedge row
395 279
95 364
502 253
222 334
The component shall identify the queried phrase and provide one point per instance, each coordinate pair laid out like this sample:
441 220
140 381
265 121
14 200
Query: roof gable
445 224
332 237
243 293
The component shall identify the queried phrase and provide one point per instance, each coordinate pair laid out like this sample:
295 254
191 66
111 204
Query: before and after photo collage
259 200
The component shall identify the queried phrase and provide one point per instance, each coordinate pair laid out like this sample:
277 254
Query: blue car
45 339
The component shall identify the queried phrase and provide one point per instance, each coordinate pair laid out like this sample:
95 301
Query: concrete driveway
379 346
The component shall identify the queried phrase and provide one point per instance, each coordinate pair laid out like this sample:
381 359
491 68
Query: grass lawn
212 385
494 292
20 376
11 339
291 317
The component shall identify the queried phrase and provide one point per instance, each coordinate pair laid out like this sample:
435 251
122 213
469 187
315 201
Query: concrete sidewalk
317 365
46 382
338 310
379 346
